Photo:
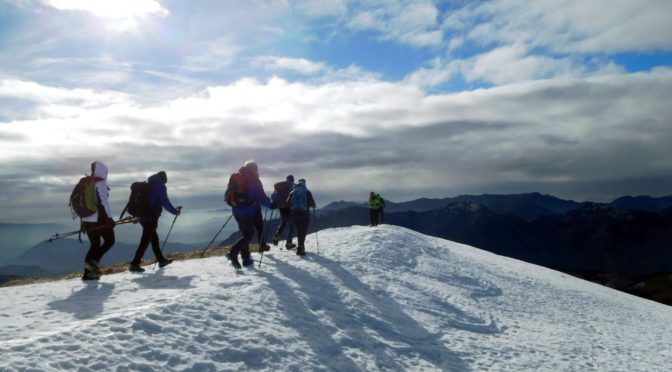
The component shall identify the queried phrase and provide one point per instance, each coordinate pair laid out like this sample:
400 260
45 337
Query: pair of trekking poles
264 235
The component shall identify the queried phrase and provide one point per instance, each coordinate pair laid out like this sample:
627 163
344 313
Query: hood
160 177
99 169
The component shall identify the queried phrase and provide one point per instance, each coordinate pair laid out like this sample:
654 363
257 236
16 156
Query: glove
110 223
179 210
274 205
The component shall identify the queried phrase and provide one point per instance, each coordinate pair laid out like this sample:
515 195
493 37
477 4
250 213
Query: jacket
376 202
99 170
158 198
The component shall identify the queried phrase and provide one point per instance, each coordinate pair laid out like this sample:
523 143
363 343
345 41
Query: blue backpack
300 197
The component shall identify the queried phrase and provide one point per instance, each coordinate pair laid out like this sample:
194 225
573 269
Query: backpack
280 194
300 197
235 194
84 199
138 202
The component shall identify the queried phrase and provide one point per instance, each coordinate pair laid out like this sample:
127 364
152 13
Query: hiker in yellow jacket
376 204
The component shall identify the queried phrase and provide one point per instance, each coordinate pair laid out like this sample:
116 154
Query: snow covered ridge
383 298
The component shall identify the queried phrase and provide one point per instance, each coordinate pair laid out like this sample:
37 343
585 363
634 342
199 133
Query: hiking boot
234 261
290 245
248 261
276 239
301 251
92 265
165 262
90 275
264 248
135 268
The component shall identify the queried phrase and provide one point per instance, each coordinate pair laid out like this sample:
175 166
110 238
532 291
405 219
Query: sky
373 299
407 98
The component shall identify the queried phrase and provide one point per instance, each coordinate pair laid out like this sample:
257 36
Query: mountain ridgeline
631 236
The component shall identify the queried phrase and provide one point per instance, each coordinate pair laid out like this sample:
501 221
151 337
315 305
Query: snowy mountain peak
383 298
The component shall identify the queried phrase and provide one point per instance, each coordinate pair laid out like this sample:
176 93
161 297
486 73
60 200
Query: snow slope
383 298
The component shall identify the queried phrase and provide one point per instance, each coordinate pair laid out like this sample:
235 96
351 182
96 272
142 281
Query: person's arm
165 202
104 195
260 195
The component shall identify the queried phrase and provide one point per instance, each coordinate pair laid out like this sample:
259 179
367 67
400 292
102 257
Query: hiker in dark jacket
245 215
300 201
157 201
98 225
279 198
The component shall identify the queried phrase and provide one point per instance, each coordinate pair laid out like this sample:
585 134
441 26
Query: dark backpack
84 199
235 194
280 194
300 197
138 202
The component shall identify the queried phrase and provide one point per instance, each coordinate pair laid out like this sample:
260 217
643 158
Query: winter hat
302 181
290 178
251 165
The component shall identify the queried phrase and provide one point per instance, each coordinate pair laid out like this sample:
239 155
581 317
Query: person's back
300 201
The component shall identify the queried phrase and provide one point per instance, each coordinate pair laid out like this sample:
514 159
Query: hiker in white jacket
98 225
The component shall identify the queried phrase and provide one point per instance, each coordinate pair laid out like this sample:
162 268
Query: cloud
347 137
413 23
568 26
300 65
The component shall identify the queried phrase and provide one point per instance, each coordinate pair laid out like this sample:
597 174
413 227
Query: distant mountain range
632 235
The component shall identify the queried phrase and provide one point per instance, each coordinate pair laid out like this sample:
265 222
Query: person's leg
259 225
156 246
300 220
301 228
148 231
91 269
108 236
94 240
246 227
374 217
284 218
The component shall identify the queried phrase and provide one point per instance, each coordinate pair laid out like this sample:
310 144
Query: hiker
279 198
300 201
376 204
99 224
157 200
246 195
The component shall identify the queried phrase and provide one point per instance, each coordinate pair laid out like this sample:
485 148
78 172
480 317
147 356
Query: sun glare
111 9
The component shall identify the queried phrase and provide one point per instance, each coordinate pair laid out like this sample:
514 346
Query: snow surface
383 298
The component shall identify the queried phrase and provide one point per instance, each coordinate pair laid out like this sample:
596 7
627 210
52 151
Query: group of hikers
245 194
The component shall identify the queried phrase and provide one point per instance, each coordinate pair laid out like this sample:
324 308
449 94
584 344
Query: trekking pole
317 240
82 230
263 237
216 235
167 235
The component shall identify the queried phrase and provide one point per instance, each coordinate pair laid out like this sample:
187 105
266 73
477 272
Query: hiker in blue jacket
255 197
300 201
157 201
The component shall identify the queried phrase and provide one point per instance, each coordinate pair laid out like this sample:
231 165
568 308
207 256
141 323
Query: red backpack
235 195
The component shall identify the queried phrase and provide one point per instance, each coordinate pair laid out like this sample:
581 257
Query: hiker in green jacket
376 204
